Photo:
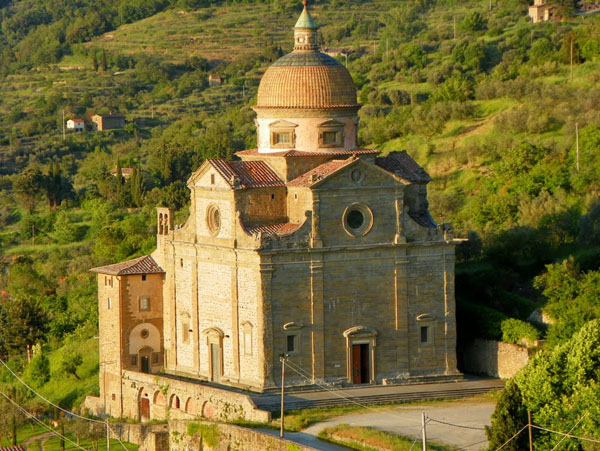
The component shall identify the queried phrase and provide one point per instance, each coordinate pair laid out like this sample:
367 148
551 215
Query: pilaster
264 326
317 318
401 313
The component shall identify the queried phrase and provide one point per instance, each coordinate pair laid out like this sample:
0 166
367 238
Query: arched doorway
360 354
144 405
214 340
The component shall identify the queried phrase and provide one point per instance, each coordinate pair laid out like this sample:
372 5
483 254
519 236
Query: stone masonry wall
225 437
494 358
185 399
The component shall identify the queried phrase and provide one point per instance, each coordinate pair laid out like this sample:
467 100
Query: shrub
515 330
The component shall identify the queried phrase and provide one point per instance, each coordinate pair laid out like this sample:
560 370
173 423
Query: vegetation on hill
488 103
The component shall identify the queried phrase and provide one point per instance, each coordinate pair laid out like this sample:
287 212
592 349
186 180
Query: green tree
29 186
95 60
508 418
474 22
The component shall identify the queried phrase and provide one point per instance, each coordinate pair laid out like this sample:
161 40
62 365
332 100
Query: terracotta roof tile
293 83
280 228
320 172
140 265
251 174
402 165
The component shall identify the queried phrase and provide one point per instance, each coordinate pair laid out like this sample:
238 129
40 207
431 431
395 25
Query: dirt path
42 437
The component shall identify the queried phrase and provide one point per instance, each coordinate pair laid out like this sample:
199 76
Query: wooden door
360 363
364 364
144 409
215 358
145 364
356 364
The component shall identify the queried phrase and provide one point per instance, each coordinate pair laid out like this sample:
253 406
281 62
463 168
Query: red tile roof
280 228
77 120
140 265
403 166
300 153
320 172
251 174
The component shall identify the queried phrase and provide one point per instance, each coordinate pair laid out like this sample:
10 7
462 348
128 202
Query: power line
105 423
300 371
48 401
473 444
570 430
30 415
510 439
566 435
457 425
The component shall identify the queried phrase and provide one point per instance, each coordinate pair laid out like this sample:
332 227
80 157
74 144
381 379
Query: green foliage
38 370
510 415
515 330
572 298
209 433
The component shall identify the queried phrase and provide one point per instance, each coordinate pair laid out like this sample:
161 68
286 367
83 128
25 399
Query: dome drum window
282 135
357 219
213 219
331 134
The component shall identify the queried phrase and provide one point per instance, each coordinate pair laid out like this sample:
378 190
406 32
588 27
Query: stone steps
375 399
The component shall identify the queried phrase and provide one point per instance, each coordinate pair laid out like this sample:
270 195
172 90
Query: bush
515 330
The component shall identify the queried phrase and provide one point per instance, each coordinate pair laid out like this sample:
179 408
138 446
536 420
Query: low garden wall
494 358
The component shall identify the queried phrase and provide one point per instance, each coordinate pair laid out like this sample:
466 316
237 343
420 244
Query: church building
307 246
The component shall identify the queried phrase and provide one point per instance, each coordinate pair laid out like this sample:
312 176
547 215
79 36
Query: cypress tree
95 61
103 63
119 181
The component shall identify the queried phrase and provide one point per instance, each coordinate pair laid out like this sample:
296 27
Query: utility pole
282 358
530 433
577 146
107 437
63 123
423 423
454 21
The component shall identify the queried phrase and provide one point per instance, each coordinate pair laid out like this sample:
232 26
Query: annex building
307 245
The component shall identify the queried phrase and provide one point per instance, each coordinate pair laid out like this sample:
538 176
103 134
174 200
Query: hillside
482 98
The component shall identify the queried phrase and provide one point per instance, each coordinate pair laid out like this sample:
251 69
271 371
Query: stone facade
307 247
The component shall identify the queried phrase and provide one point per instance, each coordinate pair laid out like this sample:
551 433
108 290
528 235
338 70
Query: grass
298 420
368 439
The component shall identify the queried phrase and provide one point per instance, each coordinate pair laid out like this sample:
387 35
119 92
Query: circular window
357 219
144 333
213 219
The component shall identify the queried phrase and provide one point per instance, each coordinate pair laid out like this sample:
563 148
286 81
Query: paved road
406 420
308 440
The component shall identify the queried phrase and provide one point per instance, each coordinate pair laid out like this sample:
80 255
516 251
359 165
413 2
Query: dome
310 80
306 78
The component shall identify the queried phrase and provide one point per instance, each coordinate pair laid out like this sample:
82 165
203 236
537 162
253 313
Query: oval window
357 219
144 333
213 219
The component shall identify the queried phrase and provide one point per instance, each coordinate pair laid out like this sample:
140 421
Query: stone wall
494 358
149 437
225 437
185 399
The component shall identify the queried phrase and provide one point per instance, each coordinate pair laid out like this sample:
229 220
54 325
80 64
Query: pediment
356 175
332 124
282 124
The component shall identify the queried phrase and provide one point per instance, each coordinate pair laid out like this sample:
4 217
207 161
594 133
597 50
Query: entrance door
145 364
360 363
215 358
144 409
